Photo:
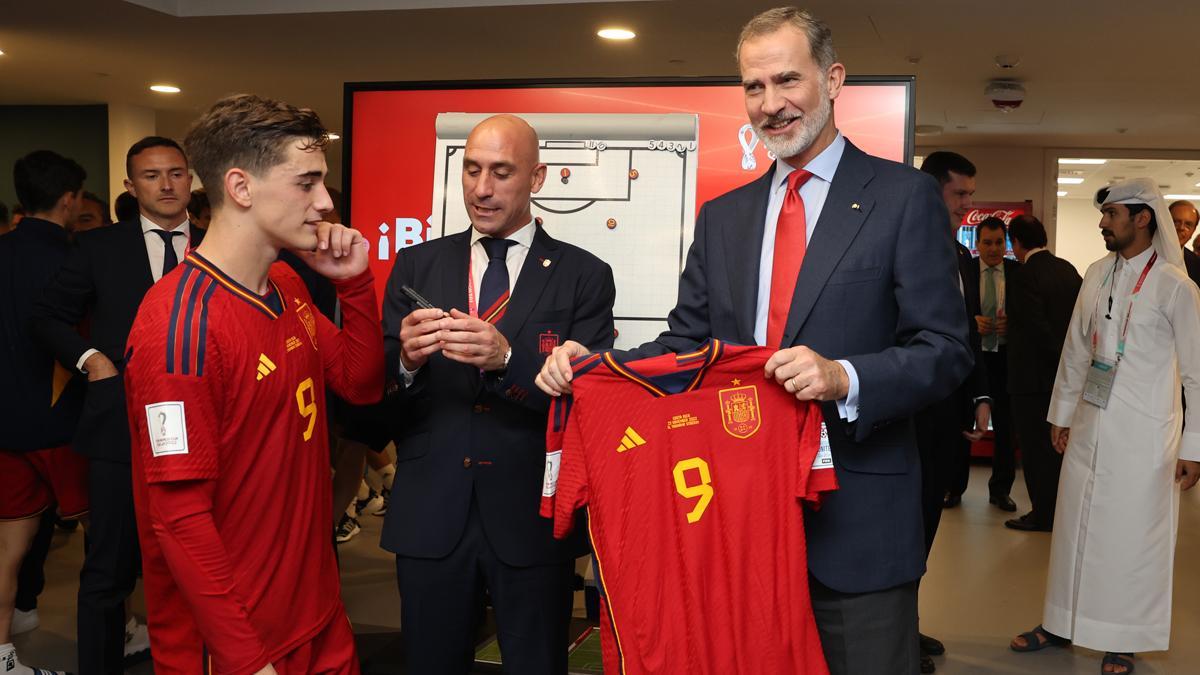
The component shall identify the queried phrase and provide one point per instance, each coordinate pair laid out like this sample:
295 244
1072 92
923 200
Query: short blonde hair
820 38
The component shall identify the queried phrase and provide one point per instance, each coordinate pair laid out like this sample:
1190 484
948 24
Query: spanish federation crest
739 411
304 313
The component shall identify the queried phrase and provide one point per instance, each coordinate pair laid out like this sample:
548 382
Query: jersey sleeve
174 385
353 355
564 488
817 475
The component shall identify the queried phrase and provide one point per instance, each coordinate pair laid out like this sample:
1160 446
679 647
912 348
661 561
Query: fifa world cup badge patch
740 412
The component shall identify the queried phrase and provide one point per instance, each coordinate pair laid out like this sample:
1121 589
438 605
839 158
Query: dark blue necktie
170 259
493 289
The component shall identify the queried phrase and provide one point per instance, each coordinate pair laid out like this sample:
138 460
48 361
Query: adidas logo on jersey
630 440
265 366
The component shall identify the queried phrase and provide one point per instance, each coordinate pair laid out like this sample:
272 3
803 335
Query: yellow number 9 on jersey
306 400
704 490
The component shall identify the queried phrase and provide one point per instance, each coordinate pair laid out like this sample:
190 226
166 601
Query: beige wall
127 124
1005 174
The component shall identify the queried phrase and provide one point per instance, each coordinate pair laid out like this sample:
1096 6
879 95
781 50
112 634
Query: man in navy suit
103 280
872 326
463 518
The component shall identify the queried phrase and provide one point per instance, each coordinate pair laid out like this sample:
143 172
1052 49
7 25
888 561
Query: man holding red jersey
227 367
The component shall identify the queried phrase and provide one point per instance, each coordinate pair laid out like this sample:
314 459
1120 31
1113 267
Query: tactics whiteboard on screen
628 165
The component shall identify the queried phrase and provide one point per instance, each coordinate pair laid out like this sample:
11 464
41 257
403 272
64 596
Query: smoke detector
1006 95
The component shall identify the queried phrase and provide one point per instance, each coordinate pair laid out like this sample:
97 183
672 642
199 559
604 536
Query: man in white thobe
1134 339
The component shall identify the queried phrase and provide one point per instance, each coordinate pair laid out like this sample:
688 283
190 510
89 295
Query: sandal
1121 659
1038 639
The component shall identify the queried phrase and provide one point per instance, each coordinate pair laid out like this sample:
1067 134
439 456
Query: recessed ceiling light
1065 160
616 33
333 136
1 52
1181 196
164 89
1066 180
1062 193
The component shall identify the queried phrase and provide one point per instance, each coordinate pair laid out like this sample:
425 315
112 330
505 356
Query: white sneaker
137 638
372 505
11 665
347 529
23 622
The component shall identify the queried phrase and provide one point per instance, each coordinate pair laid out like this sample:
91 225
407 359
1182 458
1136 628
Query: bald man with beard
1185 216
463 520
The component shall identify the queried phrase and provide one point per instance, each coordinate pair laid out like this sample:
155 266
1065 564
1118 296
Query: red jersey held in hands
694 470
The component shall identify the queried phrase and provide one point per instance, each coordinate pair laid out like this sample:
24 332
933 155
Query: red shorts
329 652
35 480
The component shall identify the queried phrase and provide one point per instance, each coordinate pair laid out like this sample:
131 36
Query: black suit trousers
110 568
1042 463
442 605
1004 459
867 633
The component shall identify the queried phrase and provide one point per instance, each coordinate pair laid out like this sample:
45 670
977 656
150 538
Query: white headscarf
1145 191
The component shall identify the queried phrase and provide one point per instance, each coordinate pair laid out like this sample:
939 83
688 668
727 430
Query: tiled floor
985 584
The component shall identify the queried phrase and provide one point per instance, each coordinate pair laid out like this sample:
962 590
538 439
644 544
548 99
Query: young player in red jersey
694 469
227 367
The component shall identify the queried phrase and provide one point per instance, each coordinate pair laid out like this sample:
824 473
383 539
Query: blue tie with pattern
493 289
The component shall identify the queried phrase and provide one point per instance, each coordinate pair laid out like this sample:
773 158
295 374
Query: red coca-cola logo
977 216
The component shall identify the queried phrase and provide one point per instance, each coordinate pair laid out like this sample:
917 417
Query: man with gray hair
871 325
1115 414
1185 217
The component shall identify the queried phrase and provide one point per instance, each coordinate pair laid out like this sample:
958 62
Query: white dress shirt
155 246
813 192
1000 296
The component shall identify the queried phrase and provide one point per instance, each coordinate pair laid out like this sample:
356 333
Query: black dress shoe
927 665
1003 502
931 646
1026 524
951 501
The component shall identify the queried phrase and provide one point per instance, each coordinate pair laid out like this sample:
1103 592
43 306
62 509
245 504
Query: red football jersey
693 468
226 388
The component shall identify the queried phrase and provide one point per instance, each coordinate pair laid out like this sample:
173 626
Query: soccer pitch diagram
622 186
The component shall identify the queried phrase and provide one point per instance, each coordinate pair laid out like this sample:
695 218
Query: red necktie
790 242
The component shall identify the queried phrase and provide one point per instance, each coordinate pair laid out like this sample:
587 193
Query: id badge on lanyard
1102 373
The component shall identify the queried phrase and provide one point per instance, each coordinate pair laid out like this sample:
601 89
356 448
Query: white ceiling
1174 176
1094 78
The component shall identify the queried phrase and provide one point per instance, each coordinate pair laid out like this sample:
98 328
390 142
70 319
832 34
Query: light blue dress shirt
813 192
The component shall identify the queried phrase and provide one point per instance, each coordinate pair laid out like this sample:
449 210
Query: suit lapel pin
856 206
545 262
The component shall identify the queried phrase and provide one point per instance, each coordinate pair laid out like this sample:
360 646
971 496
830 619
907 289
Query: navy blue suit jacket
32 416
103 280
459 432
878 287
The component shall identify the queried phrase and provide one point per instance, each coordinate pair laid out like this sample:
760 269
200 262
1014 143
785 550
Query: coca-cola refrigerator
1005 211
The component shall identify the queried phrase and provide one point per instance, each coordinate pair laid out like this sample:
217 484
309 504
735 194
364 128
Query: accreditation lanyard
1137 288
472 304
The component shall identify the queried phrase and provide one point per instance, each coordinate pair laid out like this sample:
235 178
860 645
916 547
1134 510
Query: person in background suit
989 311
1041 298
103 280
39 403
463 517
946 429
125 206
93 213
871 324
1185 216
